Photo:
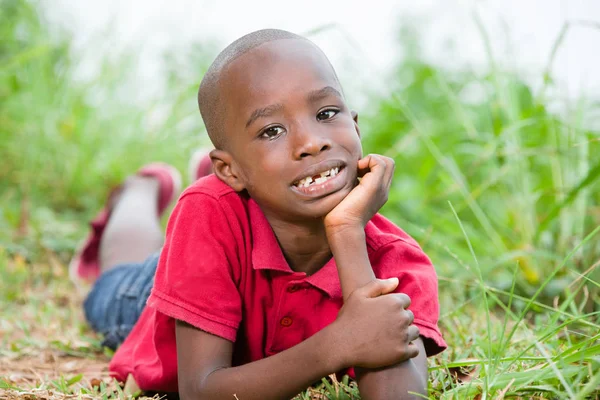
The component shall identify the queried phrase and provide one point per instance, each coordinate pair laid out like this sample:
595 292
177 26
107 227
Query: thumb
379 287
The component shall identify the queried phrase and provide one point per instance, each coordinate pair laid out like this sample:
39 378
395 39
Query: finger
403 299
379 287
412 350
389 171
363 166
413 333
371 163
363 163
410 316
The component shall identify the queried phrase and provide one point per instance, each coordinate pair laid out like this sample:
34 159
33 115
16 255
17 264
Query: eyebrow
264 112
312 97
320 94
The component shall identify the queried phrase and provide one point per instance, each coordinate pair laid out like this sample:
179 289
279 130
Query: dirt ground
43 375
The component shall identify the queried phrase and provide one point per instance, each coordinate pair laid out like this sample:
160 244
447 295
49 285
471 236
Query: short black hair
209 98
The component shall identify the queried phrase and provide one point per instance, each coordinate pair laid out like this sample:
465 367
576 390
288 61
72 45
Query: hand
363 202
374 328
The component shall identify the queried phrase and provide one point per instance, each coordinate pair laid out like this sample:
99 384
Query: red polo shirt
222 270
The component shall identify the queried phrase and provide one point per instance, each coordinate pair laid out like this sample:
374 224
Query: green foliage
65 141
524 181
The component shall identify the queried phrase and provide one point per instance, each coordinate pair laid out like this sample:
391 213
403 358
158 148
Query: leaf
464 374
591 177
74 379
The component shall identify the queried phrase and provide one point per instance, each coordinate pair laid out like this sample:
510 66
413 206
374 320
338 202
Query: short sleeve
418 279
198 268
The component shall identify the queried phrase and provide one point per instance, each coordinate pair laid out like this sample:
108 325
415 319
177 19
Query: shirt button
286 321
293 288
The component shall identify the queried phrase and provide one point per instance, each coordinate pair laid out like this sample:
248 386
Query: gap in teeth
319 178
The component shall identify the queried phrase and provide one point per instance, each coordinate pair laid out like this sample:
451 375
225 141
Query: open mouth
318 178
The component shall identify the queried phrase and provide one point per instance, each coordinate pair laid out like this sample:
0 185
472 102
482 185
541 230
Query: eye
272 132
326 114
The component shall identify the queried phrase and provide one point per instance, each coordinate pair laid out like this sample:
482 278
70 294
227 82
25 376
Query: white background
361 38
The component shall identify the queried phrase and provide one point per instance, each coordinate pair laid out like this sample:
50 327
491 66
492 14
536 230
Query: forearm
354 268
280 376
406 380
401 381
349 248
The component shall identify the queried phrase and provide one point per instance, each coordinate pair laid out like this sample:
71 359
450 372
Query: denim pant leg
118 298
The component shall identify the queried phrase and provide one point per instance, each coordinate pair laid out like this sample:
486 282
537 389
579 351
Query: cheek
353 144
359 150
263 172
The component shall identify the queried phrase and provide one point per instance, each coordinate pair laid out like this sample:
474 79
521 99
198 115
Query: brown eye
326 114
271 132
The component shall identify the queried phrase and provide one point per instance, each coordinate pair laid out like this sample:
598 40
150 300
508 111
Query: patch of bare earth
51 374
47 351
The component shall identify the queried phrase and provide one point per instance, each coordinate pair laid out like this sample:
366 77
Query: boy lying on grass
276 270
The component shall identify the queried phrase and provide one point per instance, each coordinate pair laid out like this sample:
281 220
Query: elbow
402 381
417 389
419 392
195 388
410 393
190 391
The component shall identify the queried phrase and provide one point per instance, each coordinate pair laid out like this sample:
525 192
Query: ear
355 118
226 170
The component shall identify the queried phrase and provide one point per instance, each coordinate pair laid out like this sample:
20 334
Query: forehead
273 71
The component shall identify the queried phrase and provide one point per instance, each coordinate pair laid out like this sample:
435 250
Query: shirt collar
267 255
327 279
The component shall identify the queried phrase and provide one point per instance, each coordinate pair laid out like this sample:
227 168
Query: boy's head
274 110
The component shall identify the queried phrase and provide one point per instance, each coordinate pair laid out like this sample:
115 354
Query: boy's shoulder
211 196
211 186
381 232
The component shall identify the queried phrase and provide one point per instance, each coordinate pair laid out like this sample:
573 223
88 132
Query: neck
304 246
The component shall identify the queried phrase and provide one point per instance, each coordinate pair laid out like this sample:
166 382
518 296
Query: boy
276 270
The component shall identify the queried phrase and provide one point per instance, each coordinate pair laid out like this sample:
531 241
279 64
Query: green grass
501 192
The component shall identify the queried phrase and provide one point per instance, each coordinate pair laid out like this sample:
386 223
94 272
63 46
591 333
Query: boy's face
293 141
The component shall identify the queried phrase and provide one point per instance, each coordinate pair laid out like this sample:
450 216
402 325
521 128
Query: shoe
200 165
85 265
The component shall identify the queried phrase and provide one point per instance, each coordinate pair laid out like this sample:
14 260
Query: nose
310 142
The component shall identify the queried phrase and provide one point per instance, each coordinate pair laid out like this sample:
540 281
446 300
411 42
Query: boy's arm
205 372
397 382
349 249
366 332
345 226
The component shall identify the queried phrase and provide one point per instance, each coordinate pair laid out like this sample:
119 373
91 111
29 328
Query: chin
324 206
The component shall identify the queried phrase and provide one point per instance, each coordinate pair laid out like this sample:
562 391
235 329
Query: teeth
325 175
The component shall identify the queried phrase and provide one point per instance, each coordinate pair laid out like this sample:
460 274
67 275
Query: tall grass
524 181
65 142
501 192
504 195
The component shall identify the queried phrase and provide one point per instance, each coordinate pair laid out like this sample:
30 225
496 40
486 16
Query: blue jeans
118 298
